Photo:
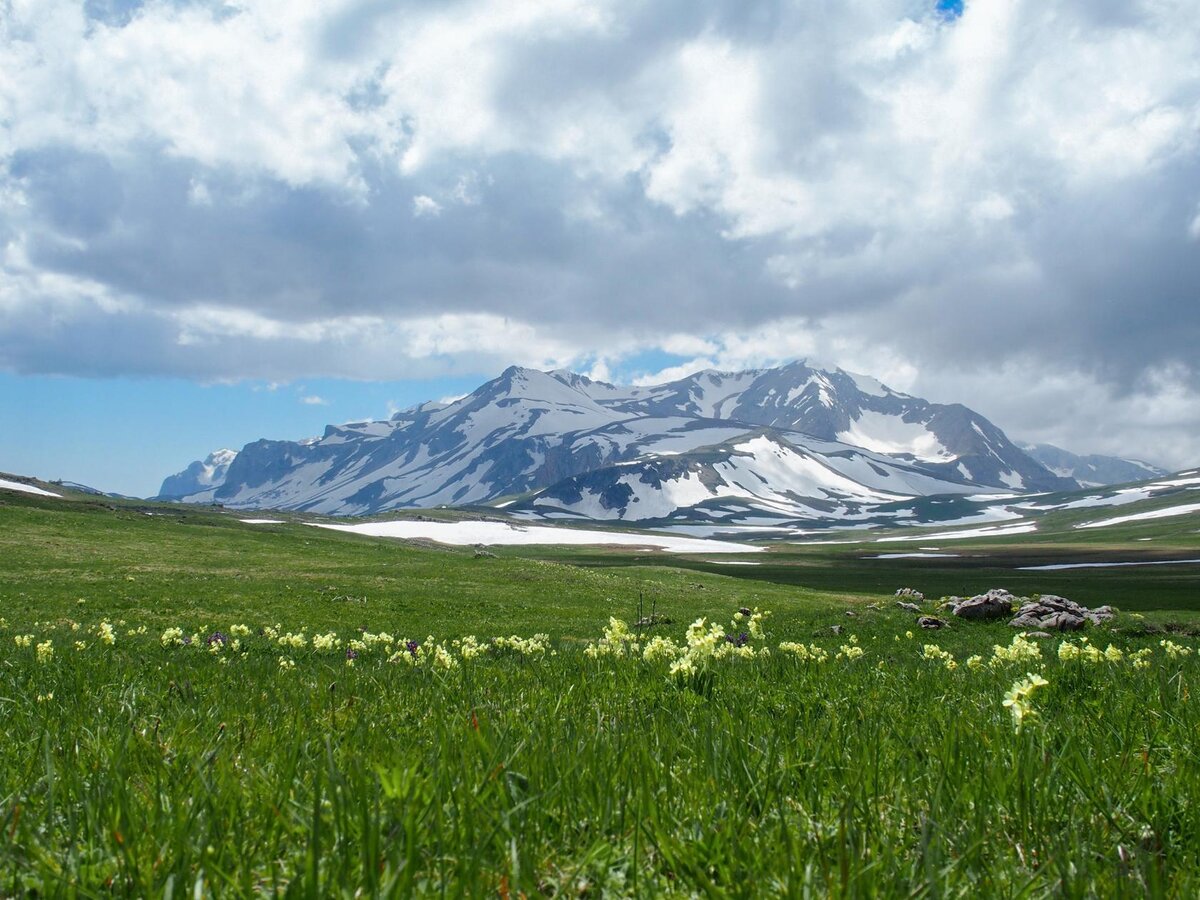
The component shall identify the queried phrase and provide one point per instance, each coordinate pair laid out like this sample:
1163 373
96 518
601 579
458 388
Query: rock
911 607
931 622
995 604
1038 634
1053 613
745 610
851 613
836 629
910 594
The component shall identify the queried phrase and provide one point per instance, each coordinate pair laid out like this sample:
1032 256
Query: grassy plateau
195 706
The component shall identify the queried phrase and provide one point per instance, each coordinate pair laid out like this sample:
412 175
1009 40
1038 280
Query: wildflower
1017 698
1020 649
442 659
469 648
540 643
351 656
45 651
1112 654
849 652
80 646
933 651
806 653
908 634
325 642
217 639
617 641
1174 651
23 640
285 664
106 633
45 698
661 649
974 663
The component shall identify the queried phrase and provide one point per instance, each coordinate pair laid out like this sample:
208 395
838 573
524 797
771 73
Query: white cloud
943 204
425 206
314 400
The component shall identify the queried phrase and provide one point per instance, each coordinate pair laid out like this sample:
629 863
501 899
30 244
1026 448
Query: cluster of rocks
1044 613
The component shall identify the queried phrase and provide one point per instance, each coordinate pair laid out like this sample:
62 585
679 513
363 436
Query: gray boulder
932 622
995 604
1053 613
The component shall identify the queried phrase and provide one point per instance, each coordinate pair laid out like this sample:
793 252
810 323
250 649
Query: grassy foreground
232 711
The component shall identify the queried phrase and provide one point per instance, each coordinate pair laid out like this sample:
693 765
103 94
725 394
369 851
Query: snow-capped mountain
1092 470
794 441
201 479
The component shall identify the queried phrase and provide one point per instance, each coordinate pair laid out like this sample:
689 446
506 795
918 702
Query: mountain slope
529 431
1091 470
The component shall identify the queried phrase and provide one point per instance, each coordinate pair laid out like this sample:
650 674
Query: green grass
142 770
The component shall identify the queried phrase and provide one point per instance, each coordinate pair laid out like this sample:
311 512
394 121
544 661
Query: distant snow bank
1110 565
26 488
262 521
1143 516
467 533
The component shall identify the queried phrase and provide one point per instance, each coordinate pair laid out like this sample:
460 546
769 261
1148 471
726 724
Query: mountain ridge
527 431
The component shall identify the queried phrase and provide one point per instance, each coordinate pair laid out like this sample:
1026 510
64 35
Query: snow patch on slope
501 533
26 488
891 434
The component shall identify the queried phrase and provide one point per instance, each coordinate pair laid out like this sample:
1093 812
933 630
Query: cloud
958 197
425 206
314 400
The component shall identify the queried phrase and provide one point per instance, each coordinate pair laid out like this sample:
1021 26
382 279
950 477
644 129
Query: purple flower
412 647
217 637
351 653
738 641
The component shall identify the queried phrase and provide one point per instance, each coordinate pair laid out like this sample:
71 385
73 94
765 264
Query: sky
221 221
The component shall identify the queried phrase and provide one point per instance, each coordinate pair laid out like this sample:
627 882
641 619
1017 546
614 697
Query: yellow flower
1017 698
45 651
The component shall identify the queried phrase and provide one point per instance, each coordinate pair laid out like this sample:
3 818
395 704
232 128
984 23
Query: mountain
199 481
1092 470
794 441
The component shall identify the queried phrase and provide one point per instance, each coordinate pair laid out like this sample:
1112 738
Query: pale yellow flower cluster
538 645
945 657
1017 698
1020 650
106 634
45 651
617 641
1086 652
323 643
805 652
1174 651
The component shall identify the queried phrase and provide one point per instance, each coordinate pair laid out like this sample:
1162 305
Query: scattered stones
932 622
910 594
1053 613
911 607
995 604
851 613
836 629
484 554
